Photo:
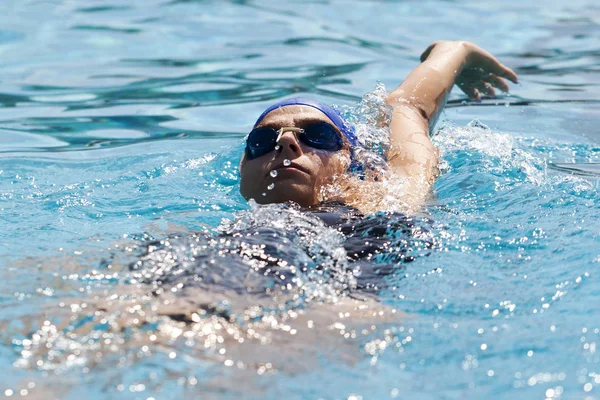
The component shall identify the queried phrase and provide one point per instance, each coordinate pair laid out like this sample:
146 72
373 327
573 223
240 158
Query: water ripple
121 122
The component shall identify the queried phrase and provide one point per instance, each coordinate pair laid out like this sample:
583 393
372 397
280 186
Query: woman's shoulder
334 212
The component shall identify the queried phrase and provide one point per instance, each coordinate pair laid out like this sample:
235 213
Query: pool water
122 122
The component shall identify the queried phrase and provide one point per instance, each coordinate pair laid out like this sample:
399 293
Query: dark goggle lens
320 135
260 141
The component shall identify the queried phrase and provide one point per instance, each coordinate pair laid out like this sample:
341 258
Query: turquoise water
124 120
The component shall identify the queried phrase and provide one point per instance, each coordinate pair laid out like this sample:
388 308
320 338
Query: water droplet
264 194
271 186
287 163
273 173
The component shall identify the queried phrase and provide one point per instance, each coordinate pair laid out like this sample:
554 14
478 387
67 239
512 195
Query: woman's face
309 169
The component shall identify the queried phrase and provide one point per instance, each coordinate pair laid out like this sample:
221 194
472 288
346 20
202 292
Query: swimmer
299 146
273 291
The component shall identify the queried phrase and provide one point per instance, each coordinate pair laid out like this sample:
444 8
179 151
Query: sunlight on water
271 272
132 267
222 298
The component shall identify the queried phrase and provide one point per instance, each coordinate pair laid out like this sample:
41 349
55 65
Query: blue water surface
123 120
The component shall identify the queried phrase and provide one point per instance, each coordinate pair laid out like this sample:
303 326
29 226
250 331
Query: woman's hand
480 72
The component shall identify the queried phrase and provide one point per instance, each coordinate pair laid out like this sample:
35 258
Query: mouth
293 167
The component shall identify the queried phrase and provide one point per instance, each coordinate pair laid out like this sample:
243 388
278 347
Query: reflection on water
123 118
272 293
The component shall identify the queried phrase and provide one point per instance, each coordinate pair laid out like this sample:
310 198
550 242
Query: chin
297 193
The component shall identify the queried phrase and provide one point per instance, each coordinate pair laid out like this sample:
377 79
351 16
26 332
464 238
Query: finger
507 73
498 82
485 88
491 63
470 91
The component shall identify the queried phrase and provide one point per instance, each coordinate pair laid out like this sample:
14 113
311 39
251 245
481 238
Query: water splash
321 248
371 119
380 189
207 296
489 151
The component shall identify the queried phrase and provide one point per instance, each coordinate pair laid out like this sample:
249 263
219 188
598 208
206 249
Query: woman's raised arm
419 100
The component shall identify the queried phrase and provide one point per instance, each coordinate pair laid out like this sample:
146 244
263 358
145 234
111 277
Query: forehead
293 116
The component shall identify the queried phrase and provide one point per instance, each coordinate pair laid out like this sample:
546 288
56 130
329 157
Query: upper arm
411 153
412 161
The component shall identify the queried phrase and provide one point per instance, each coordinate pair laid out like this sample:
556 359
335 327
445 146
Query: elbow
398 101
411 108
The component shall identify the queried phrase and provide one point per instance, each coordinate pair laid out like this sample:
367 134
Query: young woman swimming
282 283
299 146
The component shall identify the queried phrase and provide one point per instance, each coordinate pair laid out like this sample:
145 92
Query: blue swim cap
335 117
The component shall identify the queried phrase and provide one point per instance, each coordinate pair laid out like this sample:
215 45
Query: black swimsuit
264 258
378 243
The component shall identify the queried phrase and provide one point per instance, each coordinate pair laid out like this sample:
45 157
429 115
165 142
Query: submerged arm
419 100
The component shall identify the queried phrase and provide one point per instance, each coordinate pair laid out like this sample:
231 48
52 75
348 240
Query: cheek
250 175
253 168
343 162
337 163
331 165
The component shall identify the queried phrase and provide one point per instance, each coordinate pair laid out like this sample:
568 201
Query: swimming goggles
319 135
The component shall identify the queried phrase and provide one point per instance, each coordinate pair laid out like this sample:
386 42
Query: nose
288 141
